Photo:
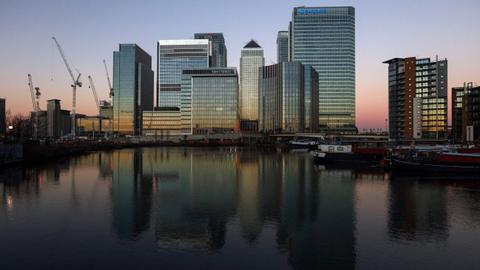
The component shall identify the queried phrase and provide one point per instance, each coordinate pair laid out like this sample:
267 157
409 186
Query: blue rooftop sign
311 11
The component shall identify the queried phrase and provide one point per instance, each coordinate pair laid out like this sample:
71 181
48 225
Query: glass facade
431 86
161 122
282 46
133 88
218 56
173 57
91 126
209 101
311 98
324 37
285 93
250 61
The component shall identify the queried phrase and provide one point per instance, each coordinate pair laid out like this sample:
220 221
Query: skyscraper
3 124
250 61
282 46
218 56
133 88
286 103
209 101
173 57
324 37
417 98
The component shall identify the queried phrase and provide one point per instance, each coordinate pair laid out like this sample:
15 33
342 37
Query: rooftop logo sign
311 11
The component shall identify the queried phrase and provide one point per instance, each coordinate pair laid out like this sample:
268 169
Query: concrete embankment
18 154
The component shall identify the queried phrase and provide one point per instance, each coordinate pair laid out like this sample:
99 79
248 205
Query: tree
18 125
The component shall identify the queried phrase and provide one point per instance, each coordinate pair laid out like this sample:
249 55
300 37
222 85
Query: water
177 208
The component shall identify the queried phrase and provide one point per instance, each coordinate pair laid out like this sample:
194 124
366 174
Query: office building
3 120
324 37
282 46
218 57
310 83
457 111
90 126
250 61
133 88
471 115
286 91
106 109
417 93
106 116
173 57
209 101
162 121
466 113
58 120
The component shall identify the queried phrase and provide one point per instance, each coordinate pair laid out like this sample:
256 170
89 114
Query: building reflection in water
131 194
198 199
417 209
317 223
196 193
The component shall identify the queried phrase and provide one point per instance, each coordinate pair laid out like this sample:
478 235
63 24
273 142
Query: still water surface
180 208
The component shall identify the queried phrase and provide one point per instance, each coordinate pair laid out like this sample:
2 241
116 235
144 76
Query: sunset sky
91 30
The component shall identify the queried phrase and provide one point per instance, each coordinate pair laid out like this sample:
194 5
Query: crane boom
110 88
94 91
32 92
76 82
35 94
64 59
110 94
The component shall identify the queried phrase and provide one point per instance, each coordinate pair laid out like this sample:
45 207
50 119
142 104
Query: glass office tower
286 90
173 57
133 88
324 37
282 46
250 61
209 101
218 56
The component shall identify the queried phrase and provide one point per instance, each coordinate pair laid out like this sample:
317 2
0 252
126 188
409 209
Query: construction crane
35 94
94 92
75 82
110 95
110 88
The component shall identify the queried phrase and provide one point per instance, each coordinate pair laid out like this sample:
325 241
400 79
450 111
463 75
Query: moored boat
436 161
337 153
302 144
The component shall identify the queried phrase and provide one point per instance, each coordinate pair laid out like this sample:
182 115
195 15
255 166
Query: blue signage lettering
308 11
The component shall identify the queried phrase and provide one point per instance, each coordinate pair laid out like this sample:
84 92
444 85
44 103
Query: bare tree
18 125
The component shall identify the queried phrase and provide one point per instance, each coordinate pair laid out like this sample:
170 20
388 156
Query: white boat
304 143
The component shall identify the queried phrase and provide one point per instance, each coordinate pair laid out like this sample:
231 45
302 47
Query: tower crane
35 94
75 82
94 92
110 94
110 88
